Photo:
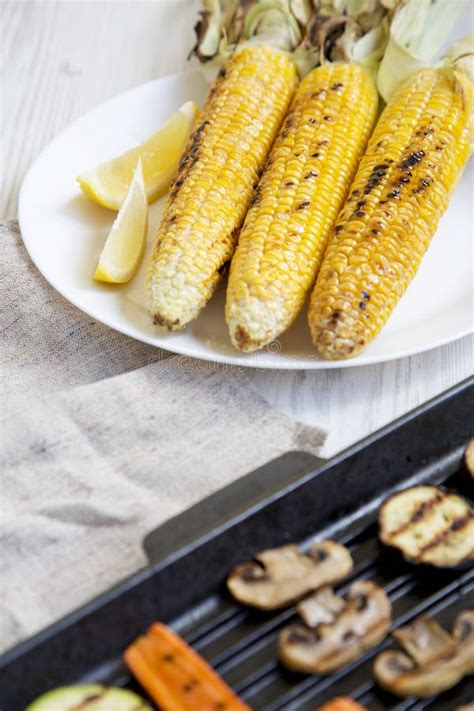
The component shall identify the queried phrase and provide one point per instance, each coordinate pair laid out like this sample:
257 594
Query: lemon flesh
108 184
123 250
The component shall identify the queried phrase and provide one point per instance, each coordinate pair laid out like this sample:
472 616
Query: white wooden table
61 59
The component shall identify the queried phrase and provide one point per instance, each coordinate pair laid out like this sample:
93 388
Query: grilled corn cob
299 196
414 159
215 182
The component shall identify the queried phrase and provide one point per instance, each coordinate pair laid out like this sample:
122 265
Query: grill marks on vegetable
318 143
284 236
186 679
429 525
406 177
395 179
420 512
423 185
413 159
456 525
104 696
407 165
303 205
377 175
189 159
383 174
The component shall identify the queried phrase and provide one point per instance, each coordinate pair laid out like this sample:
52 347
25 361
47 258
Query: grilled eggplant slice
434 661
336 630
429 525
90 697
281 576
464 477
469 458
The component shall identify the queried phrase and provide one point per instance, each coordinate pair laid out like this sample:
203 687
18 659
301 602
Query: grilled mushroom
429 525
336 630
435 661
283 575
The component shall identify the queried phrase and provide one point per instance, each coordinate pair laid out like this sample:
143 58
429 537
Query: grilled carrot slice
342 703
175 677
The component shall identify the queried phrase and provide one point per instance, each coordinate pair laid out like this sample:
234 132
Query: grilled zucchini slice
90 697
429 525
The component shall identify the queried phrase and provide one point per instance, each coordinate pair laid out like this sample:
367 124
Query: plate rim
239 360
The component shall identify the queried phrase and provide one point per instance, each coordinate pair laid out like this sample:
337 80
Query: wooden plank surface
60 59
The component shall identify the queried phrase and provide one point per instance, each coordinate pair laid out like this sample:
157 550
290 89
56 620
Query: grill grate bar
406 705
216 622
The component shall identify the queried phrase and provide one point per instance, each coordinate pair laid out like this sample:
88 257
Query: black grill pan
294 498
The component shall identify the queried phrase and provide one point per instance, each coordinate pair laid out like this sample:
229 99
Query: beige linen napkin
47 343
103 438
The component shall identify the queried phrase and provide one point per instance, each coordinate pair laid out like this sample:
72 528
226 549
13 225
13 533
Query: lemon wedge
123 250
109 182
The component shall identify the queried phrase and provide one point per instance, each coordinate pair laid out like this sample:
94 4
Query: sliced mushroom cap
344 628
429 525
463 628
323 606
425 641
283 575
436 661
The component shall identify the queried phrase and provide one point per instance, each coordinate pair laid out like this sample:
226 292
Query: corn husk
458 62
418 30
313 31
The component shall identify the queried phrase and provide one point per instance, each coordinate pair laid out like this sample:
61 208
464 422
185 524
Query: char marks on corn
412 163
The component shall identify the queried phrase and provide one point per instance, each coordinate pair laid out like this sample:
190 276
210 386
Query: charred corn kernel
294 207
403 185
215 182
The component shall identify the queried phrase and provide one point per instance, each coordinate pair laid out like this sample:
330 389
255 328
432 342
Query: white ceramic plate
64 233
